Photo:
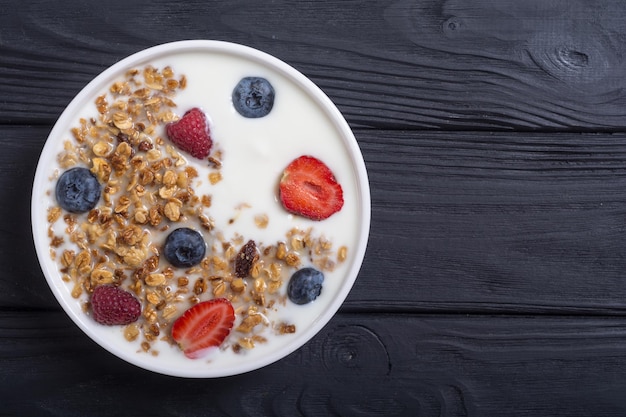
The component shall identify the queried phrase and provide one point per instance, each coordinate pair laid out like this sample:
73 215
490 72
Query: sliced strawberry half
309 188
203 326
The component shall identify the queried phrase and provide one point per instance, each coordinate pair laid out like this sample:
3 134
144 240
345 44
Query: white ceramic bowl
212 67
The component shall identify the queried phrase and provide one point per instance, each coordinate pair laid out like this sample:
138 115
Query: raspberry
113 306
191 133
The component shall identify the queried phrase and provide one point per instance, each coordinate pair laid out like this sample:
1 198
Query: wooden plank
21 283
521 222
461 222
421 365
436 64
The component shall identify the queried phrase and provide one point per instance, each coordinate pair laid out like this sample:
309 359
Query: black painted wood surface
494 133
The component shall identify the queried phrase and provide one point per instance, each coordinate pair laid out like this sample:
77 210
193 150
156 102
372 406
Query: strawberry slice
203 326
309 188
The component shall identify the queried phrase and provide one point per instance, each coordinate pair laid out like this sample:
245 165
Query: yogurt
252 154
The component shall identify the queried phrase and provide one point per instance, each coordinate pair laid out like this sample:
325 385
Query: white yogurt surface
254 154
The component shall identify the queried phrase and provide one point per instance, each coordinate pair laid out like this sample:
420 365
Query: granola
148 188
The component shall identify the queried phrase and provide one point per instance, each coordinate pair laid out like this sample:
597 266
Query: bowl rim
39 224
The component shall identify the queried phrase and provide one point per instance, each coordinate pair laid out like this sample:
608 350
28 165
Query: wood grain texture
500 218
21 283
438 366
432 64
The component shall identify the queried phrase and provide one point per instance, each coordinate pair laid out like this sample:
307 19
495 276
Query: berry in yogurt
305 285
184 247
309 188
113 306
78 190
253 97
191 133
203 327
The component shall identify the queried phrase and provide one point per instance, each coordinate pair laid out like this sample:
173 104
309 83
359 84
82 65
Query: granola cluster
148 189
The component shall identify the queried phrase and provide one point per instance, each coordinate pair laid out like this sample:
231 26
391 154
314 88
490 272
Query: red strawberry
309 188
112 306
191 133
203 326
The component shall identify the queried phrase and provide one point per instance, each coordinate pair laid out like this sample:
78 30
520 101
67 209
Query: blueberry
78 190
305 285
184 247
253 97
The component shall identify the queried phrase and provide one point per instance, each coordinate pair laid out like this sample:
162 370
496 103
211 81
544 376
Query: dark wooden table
494 133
